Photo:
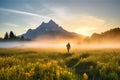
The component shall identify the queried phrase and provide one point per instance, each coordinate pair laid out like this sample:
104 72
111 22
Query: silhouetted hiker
68 47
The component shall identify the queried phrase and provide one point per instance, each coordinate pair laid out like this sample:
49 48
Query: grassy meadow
44 64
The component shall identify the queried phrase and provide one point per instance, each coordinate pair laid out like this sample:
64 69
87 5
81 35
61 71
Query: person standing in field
68 47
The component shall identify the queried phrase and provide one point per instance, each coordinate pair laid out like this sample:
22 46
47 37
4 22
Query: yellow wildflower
85 76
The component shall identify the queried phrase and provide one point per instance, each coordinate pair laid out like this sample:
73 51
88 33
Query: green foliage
36 71
72 62
33 64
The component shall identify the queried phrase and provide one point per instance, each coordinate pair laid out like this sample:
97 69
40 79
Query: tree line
11 36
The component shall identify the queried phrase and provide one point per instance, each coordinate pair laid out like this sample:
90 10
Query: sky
81 16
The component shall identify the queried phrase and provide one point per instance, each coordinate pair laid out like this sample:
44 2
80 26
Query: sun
86 31
83 33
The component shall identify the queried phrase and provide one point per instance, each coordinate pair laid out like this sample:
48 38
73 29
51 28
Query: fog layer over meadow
56 44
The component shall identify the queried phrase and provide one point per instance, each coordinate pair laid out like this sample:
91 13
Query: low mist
58 43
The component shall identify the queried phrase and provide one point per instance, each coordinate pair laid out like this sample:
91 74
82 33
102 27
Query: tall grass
39 64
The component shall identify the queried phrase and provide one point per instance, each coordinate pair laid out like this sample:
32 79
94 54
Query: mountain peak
51 29
29 30
52 22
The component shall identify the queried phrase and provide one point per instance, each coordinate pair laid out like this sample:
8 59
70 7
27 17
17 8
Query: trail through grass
51 64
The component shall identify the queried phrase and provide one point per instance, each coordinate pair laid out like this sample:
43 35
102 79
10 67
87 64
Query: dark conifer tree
12 36
22 37
6 36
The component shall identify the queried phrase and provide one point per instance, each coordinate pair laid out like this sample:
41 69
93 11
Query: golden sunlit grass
56 64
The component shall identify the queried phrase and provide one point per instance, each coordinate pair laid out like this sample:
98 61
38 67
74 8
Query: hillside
110 36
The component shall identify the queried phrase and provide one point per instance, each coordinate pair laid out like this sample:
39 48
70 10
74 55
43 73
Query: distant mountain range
49 30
